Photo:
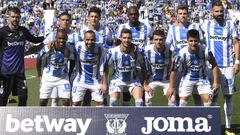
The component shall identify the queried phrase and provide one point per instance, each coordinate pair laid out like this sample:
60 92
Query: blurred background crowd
158 13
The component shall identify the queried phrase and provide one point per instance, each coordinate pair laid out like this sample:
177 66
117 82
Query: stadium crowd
98 50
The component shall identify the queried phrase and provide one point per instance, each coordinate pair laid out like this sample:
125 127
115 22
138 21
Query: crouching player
193 59
124 59
159 59
55 73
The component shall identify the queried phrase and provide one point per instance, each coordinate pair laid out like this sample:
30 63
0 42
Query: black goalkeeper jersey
12 46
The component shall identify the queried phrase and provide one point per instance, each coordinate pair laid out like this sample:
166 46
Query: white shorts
119 86
61 87
186 87
154 85
226 80
79 90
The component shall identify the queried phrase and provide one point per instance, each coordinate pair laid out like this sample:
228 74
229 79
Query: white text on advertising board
176 124
41 123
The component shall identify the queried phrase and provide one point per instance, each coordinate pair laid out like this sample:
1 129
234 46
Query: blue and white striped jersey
124 64
193 65
177 36
73 37
102 35
57 61
140 34
89 63
219 41
159 63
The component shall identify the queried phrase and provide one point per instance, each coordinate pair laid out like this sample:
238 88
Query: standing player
56 73
222 40
124 59
193 60
159 58
140 36
177 38
12 41
88 78
103 33
103 37
73 38
140 31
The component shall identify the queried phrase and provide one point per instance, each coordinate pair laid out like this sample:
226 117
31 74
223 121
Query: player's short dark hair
14 10
132 8
125 31
193 33
61 31
217 3
63 14
159 33
95 10
90 32
182 7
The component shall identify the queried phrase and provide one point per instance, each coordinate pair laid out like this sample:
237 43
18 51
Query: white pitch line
30 77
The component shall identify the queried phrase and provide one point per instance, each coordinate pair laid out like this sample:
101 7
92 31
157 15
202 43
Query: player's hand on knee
169 93
148 89
103 89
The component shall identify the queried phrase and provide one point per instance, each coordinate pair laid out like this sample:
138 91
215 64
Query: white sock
228 108
183 102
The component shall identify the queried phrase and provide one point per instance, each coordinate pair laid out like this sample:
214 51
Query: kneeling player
56 72
193 59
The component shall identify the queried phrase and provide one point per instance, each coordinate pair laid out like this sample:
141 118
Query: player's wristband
237 62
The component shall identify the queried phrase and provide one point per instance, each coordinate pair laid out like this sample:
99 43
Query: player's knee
113 101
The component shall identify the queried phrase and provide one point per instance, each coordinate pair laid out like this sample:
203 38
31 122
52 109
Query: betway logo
41 123
175 124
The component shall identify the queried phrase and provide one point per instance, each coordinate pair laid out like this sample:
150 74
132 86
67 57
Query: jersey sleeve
48 39
235 34
108 60
32 38
177 61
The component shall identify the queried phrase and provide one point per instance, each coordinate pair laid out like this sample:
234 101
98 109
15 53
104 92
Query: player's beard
219 18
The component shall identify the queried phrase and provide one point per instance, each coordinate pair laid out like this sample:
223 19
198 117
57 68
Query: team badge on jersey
20 33
116 124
